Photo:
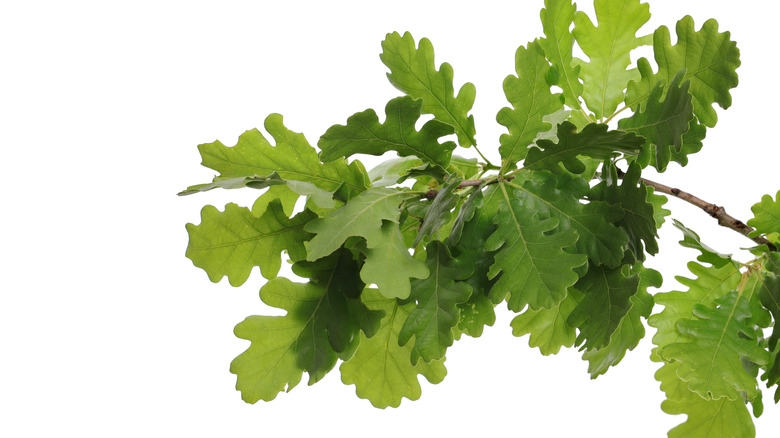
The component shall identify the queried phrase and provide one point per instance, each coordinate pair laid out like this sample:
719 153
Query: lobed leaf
766 214
692 240
363 134
291 159
535 270
412 70
608 47
548 327
557 17
662 123
721 337
594 141
531 99
710 58
432 321
361 216
231 243
380 369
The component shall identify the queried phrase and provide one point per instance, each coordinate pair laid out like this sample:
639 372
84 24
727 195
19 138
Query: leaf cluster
402 260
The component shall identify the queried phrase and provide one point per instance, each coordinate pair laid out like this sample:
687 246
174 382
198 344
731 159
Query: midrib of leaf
251 239
565 72
740 289
525 127
517 224
458 126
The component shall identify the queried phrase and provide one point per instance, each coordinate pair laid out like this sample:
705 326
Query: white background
106 329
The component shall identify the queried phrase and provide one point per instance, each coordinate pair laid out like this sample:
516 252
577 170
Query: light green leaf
437 297
548 327
287 197
692 240
556 196
658 201
255 182
722 336
710 58
595 141
606 301
662 123
608 47
439 212
557 18
323 320
387 173
380 369
233 242
630 330
709 284
531 99
389 264
412 70
534 268
766 218
292 159
722 418
361 216
363 134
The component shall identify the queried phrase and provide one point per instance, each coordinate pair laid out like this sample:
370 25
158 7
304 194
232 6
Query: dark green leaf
692 240
438 214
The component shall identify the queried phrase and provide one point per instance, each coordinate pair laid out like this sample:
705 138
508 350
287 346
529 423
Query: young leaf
705 418
292 159
412 70
608 47
722 336
662 123
363 134
233 242
557 17
387 173
380 369
361 216
432 321
595 141
692 240
531 99
255 182
606 301
548 327
389 265
766 218
534 267
710 58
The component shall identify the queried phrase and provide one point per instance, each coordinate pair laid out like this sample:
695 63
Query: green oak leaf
658 201
231 243
548 327
467 167
361 216
606 301
638 218
323 322
692 240
284 194
478 311
721 337
630 329
531 99
708 284
413 71
389 265
291 159
595 141
380 368
534 267
388 173
769 295
255 182
556 196
363 134
766 214
608 48
710 58
722 418
557 18
439 212
662 123
437 297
